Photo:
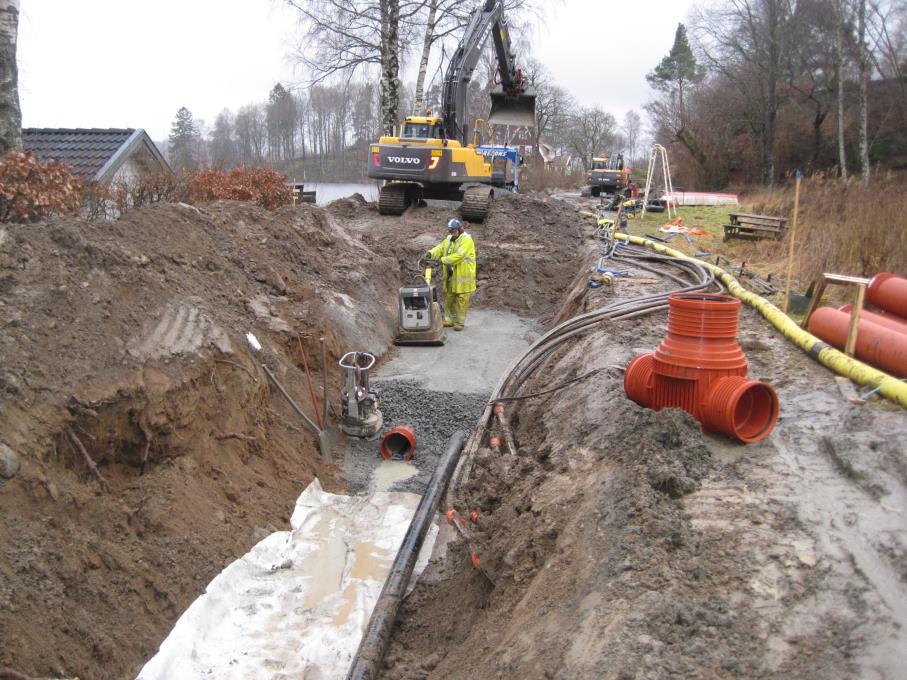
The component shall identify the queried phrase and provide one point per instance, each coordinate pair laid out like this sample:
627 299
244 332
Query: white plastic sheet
297 604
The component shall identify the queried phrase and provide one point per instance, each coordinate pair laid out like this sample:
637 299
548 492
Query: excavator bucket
512 109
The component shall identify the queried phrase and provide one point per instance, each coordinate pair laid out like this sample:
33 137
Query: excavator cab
512 109
421 128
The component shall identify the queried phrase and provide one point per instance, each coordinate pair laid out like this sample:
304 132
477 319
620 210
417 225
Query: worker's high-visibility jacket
458 260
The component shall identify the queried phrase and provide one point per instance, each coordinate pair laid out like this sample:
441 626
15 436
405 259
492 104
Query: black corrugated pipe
370 655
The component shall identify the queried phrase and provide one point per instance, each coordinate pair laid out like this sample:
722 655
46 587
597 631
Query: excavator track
476 202
394 199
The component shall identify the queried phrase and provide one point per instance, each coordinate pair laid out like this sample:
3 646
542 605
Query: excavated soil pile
122 346
527 249
126 339
622 543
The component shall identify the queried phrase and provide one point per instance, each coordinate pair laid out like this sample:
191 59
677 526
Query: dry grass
843 228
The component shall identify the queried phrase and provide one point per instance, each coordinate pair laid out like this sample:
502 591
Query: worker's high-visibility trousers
455 307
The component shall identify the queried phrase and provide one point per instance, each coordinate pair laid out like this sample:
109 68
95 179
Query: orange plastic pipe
877 345
399 442
889 321
888 292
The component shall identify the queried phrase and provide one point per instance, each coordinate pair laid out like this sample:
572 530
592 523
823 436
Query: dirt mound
123 347
624 543
527 249
123 342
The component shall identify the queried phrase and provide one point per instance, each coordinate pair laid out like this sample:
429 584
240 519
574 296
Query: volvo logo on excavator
404 160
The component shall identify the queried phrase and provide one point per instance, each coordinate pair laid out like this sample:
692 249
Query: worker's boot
448 324
458 327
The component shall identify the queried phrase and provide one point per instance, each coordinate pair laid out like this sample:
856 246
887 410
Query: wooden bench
747 225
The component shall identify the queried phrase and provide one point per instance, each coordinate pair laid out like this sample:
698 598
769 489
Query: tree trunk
818 119
10 114
864 93
839 74
390 63
419 101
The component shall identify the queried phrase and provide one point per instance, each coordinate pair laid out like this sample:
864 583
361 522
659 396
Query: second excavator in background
434 157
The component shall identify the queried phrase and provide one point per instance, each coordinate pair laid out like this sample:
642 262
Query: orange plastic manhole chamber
700 368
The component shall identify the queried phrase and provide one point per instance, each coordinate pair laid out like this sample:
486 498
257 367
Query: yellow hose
827 355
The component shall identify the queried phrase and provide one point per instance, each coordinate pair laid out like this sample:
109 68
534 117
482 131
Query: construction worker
457 254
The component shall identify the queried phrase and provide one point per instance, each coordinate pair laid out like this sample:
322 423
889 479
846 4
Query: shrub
31 191
262 186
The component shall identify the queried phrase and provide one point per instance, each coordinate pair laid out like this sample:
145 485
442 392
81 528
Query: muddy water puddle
389 472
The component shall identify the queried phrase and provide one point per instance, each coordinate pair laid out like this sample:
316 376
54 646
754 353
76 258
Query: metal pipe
370 655
289 399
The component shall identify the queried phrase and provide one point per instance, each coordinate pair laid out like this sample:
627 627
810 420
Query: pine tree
677 72
183 141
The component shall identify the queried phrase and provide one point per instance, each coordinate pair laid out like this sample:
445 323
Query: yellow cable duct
827 355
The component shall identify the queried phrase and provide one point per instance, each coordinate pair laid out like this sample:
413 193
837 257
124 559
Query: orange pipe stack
881 336
700 368
877 345
889 292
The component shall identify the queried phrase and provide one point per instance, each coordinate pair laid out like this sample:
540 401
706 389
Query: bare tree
631 130
344 36
251 134
222 142
553 106
863 64
10 114
839 77
592 131
430 22
747 41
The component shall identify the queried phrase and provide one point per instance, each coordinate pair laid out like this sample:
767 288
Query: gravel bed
434 416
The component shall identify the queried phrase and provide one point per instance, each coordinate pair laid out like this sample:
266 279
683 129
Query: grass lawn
764 257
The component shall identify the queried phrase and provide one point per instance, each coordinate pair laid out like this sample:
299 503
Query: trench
335 558
340 546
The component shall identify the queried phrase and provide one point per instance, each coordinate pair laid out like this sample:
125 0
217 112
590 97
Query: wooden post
855 320
793 239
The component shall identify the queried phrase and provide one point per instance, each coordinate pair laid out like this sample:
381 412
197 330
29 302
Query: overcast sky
133 63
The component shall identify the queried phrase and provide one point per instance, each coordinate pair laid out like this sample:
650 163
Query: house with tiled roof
105 156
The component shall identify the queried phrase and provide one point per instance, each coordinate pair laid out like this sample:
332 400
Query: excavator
433 157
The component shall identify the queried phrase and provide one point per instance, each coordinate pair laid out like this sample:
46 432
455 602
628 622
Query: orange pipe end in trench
399 442
888 292
882 347
700 368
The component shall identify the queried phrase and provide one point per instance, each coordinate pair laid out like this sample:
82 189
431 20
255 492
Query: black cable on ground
370 656
557 387
698 278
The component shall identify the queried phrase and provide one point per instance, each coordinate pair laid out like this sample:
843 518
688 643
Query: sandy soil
623 543
127 337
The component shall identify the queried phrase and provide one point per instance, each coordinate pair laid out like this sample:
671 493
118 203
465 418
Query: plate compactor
420 321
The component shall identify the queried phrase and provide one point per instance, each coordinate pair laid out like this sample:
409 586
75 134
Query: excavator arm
512 103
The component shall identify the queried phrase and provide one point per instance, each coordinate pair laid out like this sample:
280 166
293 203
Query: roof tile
85 150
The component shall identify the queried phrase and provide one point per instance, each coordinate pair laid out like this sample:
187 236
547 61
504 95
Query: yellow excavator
433 157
